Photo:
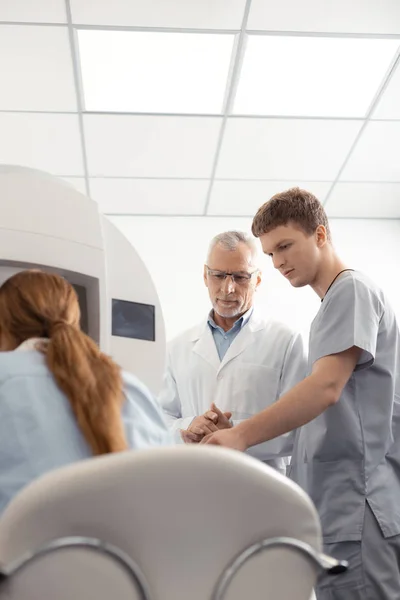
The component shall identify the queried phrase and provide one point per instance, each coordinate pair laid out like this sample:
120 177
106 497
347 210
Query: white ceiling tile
339 16
244 198
77 182
36 69
285 149
150 146
373 200
149 196
322 67
153 71
389 105
377 154
207 14
48 142
29 11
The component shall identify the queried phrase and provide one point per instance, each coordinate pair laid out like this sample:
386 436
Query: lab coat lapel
205 346
244 339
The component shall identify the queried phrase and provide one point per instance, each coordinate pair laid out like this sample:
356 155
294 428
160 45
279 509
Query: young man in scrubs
347 410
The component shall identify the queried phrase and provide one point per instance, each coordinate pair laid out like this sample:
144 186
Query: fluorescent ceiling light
312 76
138 71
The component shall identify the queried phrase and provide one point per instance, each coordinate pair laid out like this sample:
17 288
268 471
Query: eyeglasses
240 277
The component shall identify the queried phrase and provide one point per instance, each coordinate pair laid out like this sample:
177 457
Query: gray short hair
230 241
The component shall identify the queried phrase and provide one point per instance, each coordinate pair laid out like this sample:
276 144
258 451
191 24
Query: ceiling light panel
153 72
312 76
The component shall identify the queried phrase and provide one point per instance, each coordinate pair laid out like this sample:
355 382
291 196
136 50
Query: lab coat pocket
255 388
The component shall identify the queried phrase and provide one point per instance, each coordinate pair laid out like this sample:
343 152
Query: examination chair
178 523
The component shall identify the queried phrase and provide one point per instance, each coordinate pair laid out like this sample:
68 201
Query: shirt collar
241 322
31 344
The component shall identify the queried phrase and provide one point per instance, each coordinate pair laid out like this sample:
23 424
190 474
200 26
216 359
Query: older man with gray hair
235 363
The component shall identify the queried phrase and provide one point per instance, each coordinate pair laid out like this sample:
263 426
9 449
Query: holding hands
211 421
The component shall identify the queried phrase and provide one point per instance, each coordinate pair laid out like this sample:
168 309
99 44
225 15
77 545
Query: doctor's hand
228 438
212 420
223 417
190 438
204 424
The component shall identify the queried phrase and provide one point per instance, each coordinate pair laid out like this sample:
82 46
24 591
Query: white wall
174 250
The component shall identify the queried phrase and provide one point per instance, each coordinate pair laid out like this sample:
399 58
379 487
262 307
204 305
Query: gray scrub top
38 431
351 453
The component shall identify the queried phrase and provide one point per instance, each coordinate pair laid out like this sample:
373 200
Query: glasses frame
233 275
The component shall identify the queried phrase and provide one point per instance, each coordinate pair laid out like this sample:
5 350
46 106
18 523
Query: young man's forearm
303 403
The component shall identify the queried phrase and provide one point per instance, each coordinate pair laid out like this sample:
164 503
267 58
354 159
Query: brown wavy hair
34 304
291 206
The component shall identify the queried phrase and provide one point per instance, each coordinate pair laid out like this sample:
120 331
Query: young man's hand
230 438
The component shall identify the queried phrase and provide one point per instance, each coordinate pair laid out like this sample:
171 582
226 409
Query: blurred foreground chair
179 523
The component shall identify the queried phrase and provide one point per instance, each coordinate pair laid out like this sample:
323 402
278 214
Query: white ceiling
295 93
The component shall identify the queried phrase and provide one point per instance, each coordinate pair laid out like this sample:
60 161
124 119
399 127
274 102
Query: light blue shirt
38 431
223 339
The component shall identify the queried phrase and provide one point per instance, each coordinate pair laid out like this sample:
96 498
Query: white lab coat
264 361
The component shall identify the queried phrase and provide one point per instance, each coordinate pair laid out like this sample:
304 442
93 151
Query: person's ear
205 276
321 236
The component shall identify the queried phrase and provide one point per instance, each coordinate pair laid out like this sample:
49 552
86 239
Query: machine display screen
133 320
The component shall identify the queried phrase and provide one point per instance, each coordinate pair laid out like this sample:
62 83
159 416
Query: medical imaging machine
45 223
